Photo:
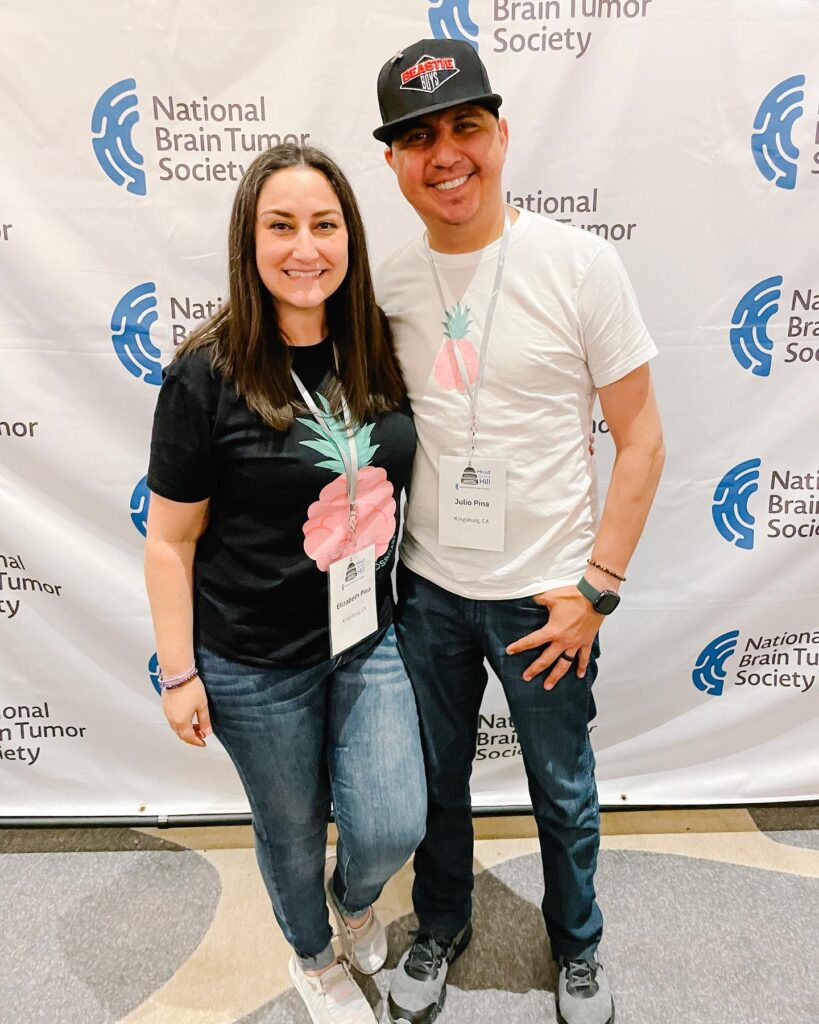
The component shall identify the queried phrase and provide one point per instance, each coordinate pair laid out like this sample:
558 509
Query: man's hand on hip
570 631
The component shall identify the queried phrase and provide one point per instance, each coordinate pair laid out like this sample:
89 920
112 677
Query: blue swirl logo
131 322
449 19
732 517
752 347
153 673
112 125
772 145
709 672
140 499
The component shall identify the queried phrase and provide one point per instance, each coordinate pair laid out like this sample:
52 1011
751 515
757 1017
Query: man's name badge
471 502
353 608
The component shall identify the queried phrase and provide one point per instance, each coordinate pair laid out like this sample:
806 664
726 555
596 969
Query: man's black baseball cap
428 76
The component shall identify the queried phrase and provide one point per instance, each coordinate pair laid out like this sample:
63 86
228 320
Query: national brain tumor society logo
131 322
775 153
788 504
450 19
112 125
730 509
709 673
754 330
750 342
140 500
189 139
153 673
781 663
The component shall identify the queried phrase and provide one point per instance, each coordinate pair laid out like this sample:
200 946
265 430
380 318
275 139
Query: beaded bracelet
602 568
180 680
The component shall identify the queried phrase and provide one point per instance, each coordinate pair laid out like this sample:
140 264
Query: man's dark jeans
443 639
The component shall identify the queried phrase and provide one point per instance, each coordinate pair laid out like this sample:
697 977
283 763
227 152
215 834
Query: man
503 557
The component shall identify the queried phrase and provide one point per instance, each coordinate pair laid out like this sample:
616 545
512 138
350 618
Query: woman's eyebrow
285 213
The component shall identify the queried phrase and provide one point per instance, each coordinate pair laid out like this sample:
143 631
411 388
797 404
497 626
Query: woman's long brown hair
247 345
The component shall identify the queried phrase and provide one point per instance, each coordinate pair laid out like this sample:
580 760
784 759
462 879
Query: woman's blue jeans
443 640
344 731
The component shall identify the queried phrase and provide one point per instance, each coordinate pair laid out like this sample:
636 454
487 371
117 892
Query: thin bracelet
602 568
175 681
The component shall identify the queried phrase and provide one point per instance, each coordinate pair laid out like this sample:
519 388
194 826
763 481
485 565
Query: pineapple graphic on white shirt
456 328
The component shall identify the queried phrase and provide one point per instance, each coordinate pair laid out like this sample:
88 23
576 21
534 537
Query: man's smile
447 186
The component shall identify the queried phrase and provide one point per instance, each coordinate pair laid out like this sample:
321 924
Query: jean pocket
236 688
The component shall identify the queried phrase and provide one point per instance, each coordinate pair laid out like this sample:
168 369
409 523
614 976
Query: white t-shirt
566 322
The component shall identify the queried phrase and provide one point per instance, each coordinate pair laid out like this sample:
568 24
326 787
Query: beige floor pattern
241 963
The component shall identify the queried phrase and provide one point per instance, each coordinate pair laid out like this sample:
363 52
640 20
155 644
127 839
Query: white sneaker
364 947
332 997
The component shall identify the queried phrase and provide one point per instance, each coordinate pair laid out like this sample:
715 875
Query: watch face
607 602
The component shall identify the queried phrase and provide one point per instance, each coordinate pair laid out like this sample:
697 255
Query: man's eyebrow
426 122
421 122
473 110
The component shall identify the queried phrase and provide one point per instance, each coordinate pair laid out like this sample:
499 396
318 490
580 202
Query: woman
282 440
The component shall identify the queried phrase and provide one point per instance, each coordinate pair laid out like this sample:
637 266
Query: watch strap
587 590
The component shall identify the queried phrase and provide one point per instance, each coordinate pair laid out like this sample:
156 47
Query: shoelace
580 974
337 984
426 955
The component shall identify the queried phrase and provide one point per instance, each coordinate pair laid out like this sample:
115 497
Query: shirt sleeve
181 465
615 339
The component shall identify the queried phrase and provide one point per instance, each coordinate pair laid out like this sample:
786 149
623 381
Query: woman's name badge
471 502
353 608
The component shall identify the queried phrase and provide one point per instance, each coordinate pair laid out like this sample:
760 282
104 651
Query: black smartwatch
603 601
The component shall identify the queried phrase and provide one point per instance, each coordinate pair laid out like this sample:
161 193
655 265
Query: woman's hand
186 708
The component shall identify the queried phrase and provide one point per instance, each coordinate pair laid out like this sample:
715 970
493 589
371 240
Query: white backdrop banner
685 131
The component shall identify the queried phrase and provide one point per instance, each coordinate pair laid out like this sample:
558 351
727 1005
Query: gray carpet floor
91 929
687 941
86 937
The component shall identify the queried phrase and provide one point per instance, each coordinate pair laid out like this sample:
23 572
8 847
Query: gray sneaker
583 993
418 987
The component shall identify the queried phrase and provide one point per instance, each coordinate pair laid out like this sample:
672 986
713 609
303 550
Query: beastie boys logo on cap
429 76
429 73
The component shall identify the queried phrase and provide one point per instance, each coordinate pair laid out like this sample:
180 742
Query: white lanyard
472 390
349 457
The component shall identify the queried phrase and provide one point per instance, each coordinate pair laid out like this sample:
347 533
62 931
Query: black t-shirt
260 595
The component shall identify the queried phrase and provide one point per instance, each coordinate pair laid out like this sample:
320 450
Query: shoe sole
434 1015
341 930
562 1020
436 1010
